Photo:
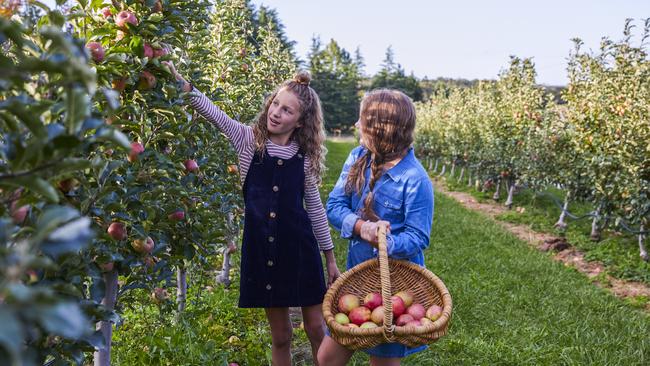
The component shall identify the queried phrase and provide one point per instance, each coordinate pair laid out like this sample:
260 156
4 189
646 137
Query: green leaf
36 185
65 319
12 334
77 109
116 136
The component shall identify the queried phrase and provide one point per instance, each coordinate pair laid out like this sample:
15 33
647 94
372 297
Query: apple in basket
348 302
434 312
372 300
341 319
413 323
403 319
398 306
407 296
352 325
368 325
426 321
360 315
417 311
377 315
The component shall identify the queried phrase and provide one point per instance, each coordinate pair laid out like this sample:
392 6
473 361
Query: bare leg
381 361
312 317
331 353
281 333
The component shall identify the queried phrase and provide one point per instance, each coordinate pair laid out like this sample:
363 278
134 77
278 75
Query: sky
460 39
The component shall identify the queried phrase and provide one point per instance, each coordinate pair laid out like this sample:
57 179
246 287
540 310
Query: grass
513 305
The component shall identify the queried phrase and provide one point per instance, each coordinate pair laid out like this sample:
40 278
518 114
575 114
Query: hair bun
302 78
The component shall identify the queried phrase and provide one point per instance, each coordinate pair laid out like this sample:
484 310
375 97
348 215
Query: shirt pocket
389 208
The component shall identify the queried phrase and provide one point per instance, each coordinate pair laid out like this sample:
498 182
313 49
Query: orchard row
595 146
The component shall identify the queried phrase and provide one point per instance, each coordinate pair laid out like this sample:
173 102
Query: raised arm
239 134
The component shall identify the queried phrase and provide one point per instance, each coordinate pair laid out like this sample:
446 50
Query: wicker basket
388 276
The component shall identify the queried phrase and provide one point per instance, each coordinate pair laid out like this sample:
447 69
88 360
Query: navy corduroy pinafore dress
281 264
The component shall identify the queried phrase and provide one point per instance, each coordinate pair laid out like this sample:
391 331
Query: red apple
106 12
177 215
107 267
348 302
341 319
407 296
119 35
403 319
148 51
143 246
417 311
96 51
372 300
157 7
67 185
160 52
413 323
232 169
119 84
434 312
117 231
159 295
244 67
377 314
18 214
191 165
136 149
125 17
368 325
149 261
147 81
352 325
398 306
359 315
233 364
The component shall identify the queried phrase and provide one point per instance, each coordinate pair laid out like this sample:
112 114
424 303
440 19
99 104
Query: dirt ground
564 252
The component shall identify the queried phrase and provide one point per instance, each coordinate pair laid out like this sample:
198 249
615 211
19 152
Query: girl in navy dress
281 161
382 182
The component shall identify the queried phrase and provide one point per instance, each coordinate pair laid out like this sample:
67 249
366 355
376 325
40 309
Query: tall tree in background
335 76
392 76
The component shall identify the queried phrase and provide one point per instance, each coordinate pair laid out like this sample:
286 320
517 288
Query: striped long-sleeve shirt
241 137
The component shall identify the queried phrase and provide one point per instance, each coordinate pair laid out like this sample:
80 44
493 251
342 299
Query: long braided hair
387 120
310 136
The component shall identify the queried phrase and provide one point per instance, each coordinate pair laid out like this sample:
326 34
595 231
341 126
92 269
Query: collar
396 172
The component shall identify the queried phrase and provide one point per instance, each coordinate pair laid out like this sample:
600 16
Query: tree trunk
453 169
497 192
429 163
642 251
469 178
477 184
595 230
435 167
442 172
560 224
510 183
181 288
102 357
462 174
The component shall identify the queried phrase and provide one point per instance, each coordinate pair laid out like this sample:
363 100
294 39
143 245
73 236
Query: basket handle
384 275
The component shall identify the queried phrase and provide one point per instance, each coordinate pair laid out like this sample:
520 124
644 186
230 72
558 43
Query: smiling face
283 116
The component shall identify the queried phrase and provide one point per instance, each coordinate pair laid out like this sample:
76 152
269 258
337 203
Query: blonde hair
387 124
310 136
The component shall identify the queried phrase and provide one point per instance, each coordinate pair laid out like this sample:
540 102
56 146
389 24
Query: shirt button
280 162
271 239
269 263
268 287
276 188
299 156
272 215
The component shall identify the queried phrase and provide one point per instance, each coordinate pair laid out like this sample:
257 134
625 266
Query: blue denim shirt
403 197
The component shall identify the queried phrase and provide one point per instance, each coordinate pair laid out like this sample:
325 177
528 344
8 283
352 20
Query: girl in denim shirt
381 181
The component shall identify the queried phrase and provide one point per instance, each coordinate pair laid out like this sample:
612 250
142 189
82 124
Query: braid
376 172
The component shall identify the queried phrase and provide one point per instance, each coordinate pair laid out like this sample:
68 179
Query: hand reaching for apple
187 87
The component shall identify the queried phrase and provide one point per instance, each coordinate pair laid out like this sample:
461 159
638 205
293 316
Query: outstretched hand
177 76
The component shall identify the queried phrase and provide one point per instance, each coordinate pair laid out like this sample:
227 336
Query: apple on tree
191 165
117 231
136 149
143 246
125 17
177 215
97 52
147 81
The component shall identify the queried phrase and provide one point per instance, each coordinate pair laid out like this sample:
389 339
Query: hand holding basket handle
394 275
